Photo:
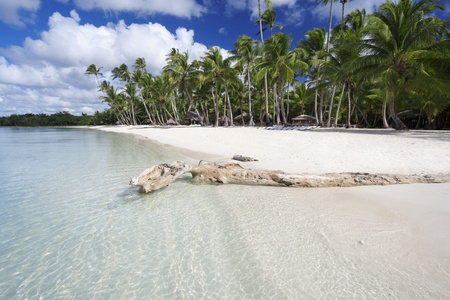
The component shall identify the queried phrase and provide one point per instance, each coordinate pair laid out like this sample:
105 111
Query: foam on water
71 227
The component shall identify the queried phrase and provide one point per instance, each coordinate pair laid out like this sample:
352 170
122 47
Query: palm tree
113 98
161 89
281 63
268 19
244 53
343 5
314 46
324 3
400 37
130 90
269 3
182 73
218 70
92 70
140 64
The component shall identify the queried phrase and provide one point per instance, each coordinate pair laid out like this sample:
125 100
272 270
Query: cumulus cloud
47 74
179 8
18 12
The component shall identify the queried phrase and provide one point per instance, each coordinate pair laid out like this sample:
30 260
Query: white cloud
222 30
18 12
252 6
179 8
47 74
323 12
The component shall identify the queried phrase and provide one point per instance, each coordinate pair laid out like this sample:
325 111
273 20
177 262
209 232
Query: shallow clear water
71 227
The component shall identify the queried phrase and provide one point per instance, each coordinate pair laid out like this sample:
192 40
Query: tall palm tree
131 91
281 63
244 54
343 6
269 3
219 70
92 70
314 46
140 64
161 89
399 37
324 3
182 73
268 19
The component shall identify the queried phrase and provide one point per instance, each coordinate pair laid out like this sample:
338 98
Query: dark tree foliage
58 119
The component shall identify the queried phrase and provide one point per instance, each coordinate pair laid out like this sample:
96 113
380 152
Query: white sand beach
311 151
398 230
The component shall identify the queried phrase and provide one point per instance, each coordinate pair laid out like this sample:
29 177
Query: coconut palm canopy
373 66
361 71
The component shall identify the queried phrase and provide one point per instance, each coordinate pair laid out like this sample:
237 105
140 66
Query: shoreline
322 150
371 221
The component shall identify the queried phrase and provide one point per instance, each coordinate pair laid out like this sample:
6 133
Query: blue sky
46 45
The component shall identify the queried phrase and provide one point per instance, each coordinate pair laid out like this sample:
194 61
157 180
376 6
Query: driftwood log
243 158
159 176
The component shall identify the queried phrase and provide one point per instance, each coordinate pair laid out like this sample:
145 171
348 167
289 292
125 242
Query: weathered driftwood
159 176
243 158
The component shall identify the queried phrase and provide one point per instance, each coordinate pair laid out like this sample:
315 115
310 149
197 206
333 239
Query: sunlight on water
71 227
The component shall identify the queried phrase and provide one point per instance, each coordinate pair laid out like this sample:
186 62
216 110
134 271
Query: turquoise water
72 228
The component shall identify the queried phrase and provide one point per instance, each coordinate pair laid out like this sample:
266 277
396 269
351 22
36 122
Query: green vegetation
390 68
58 119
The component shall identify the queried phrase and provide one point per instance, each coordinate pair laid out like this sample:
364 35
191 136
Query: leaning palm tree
399 38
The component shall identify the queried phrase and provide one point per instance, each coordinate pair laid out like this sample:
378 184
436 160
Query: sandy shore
311 151
404 226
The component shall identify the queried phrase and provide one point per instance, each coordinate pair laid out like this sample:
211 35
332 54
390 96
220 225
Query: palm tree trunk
242 112
276 102
321 105
281 100
148 113
287 109
191 103
315 100
216 106
262 43
227 97
157 113
329 26
331 106
399 125
251 122
132 110
339 105
349 106
361 112
385 123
